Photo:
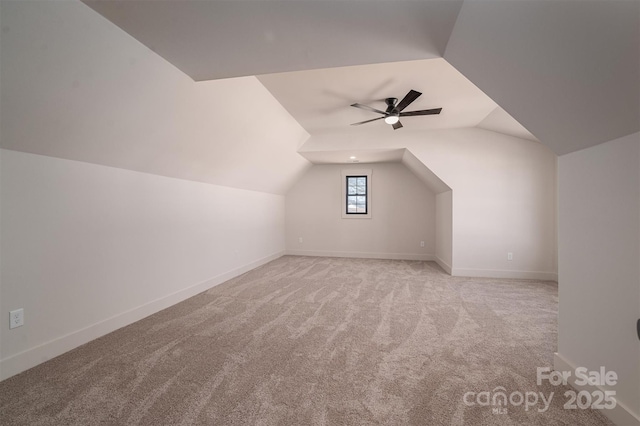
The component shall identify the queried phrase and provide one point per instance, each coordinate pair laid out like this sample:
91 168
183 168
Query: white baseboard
444 265
503 273
363 255
22 361
620 414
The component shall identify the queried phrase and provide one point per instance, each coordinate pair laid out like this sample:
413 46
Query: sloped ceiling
500 121
220 39
397 155
320 99
75 86
567 71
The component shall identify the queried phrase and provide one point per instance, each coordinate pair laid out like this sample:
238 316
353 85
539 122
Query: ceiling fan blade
411 96
368 121
397 125
421 112
368 108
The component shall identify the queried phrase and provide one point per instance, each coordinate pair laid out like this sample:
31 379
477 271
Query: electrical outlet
300 240
509 256
421 243
16 318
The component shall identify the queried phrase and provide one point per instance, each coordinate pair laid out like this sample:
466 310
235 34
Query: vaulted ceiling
74 85
320 99
567 71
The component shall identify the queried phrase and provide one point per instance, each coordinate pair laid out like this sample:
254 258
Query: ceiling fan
395 110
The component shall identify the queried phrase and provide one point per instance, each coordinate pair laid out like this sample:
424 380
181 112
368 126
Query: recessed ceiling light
352 158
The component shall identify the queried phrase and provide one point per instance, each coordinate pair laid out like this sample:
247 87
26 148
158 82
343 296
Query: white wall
402 215
599 258
87 248
504 195
444 230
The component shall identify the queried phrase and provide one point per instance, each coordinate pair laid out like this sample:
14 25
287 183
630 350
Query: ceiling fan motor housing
391 104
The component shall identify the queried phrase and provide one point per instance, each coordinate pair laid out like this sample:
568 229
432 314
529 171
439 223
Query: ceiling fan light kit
395 110
391 119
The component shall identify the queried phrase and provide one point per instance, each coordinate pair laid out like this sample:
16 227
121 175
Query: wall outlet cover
16 318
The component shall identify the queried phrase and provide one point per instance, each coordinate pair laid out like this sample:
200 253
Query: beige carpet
313 341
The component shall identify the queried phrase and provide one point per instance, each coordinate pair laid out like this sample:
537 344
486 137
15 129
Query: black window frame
365 195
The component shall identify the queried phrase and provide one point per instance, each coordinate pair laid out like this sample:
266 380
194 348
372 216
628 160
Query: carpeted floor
314 341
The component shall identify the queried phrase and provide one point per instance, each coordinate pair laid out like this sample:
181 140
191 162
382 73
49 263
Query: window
356 194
